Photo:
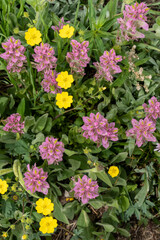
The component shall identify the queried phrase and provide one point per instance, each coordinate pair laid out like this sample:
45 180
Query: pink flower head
97 128
52 150
44 57
49 82
78 58
85 189
142 131
153 110
14 55
13 124
108 65
61 24
35 180
133 19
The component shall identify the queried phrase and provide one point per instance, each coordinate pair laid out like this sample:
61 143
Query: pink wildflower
133 19
49 82
44 57
52 150
61 24
14 55
78 58
97 128
13 124
35 180
142 131
85 189
108 65
153 110
157 148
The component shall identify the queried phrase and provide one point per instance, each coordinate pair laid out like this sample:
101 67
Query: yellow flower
33 36
5 234
63 100
66 31
14 187
3 186
24 237
113 171
47 225
44 206
64 80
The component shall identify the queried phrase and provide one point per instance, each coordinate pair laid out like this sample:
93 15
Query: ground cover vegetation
80 118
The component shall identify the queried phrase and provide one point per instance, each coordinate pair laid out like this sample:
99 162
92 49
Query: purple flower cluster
142 131
44 58
78 58
153 110
97 128
14 55
108 65
85 189
61 24
35 180
52 150
49 82
133 19
13 124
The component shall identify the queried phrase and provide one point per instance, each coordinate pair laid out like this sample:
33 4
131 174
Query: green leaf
21 107
58 212
121 182
120 157
70 152
121 79
96 204
104 177
131 146
3 104
91 14
124 203
6 171
142 61
123 232
39 138
40 123
4 160
83 220
112 7
144 45
107 227
75 164
141 195
29 121
8 138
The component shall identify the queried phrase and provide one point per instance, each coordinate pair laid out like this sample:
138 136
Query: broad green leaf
104 177
120 157
21 107
131 146
8 138
107 227
29 121
123 232
6 171
3 104
40 123
58 212
121 182
96 204
112 7
83 220
121 78
4 160
124 203
70 152
141 195
39 138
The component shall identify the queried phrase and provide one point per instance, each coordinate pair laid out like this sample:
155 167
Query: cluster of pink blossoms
85 189
61 24
49 82
108 65
142 131
78 58
13 124
52 150
133 19
97 128
153 110
14 55
35 180
44 58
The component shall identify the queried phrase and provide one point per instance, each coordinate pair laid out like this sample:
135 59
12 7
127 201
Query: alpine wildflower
52 150
153 110
142 131
64 80
97 128
85 189
33 36
64 100
3 186
44 206
48 225
35 180
107 65
14 124
14 55
66 31
49 82
5 234
113 171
